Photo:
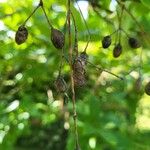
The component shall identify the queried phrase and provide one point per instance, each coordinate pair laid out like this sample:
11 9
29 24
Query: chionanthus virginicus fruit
60 84
57 38
21 35
106 42
147 88
134 43
79 72
117 50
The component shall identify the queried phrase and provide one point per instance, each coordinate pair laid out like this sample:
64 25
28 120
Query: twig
141 62
135 20
105 18
141 28
89 39
100 7
125 33
41 4
103 70
62 56
76 36
30 15
71 76
120 4
120 22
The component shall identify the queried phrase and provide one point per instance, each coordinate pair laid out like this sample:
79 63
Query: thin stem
120 4
120 21
114 32
121 78
116 38
147 38
99 15
125 33
46 16
76 35
71 76
141 61
103 70
61 62
62 56
86 27
139 25
30 15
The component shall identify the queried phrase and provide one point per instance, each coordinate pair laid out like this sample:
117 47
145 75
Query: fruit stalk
71 77
104 70
41 4
89 37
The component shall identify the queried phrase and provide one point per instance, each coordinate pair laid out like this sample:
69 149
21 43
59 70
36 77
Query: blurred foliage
112 114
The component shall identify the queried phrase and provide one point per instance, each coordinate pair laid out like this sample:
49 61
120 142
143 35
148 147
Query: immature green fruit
21 35
117 50
106 42
134 43
147 88
57 38
60 84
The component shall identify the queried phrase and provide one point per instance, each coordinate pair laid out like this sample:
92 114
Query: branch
41 4
31 15
71 76
135 20
103 70
89 39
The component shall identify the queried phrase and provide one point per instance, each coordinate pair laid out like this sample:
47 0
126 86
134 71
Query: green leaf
146 3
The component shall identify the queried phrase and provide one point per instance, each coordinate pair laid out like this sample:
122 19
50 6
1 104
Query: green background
112 114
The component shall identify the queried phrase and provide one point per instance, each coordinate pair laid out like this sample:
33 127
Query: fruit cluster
107 41
80 61
133 43
57 37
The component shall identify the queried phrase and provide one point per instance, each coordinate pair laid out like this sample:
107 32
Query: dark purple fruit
60 84
106 42
57 38
147 88
134 43
117 50
21 35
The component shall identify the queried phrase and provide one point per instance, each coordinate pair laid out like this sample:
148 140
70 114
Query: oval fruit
106 42
21 35
57 38
147 88
134 43
117 50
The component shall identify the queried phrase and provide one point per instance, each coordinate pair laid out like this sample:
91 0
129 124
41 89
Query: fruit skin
79 72
84 58
106 42
21 35
60 84
147 88
57 38
134 43
117 50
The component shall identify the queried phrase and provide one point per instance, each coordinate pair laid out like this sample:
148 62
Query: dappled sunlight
74 75
143 114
